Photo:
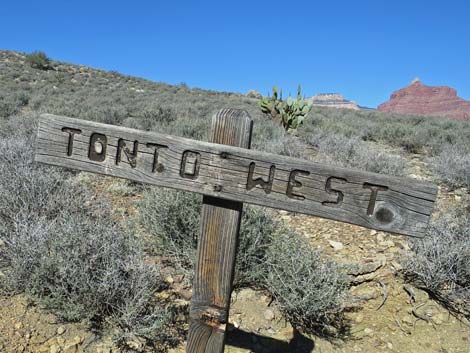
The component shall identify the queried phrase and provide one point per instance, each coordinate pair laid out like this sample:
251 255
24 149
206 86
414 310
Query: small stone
178 278
54 349
380 237
72 345
368 331
389 345
20 349
387 244
397 266
439 319
407 320
269 315
136 344
71 349
76 340
337 245
18 326
185 294
103 350
61 330
163 295
254 94
359 318
169 279
373 232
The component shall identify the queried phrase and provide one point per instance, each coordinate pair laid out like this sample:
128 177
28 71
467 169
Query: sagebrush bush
412 133
308 289
270 137
452 166
12 104
440 262
61 247
172 218
354 153
29 190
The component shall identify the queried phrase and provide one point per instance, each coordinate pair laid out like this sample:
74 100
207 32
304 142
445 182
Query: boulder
254 94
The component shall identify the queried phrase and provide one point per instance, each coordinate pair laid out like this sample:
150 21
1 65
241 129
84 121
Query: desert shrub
452 166
38 60
412 133
354 153
308 289
19 127
82 267
270 137
7 107
172 219
155 114
440 262
187 126
64 250
29 190
12 104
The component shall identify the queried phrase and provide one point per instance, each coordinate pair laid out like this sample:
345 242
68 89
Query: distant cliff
419 99
332 100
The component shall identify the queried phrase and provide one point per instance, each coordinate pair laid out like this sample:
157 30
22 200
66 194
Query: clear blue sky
363 49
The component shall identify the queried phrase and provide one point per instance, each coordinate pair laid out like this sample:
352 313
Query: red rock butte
419 99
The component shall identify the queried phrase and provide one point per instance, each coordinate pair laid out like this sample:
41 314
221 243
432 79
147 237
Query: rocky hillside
419 99
94 264
333 100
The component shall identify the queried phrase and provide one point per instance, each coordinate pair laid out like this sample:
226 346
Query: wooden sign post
228 173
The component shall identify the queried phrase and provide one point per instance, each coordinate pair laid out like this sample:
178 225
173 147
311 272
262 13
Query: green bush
38 60
440 262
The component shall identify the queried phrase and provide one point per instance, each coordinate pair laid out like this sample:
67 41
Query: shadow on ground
262 344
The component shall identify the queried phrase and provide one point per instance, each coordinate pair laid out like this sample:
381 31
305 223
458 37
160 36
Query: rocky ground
384 313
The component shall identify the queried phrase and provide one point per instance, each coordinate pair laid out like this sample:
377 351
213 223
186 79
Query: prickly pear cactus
289 113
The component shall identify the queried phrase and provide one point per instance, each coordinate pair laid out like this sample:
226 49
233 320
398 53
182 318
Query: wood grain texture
217 246
400 205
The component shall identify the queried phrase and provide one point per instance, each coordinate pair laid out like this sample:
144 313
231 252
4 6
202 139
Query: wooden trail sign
228 174
371 200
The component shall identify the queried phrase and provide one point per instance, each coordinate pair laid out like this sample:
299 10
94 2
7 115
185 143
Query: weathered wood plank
217 245
400 205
